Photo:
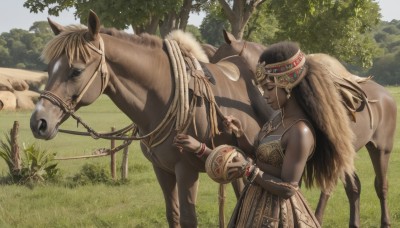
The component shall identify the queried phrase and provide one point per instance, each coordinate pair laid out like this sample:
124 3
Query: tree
238 13
141 15
21 49
211 28
262 26
335 27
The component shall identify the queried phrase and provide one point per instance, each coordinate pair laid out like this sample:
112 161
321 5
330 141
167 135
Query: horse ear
228 37
93 25
57 28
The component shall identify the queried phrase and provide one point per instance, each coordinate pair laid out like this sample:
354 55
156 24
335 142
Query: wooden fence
124 166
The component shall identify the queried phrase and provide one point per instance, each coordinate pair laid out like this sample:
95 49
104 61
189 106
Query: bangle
249 170
254 174
198 149
202 150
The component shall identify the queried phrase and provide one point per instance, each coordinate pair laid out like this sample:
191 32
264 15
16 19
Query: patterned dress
259 208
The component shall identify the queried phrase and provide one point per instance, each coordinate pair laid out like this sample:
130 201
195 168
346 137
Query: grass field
139 202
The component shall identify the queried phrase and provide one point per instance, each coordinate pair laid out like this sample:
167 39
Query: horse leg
380 160
188 183
319 212
353 191
168 185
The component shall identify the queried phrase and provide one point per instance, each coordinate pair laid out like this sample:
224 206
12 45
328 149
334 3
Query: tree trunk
169 23
184 14
239 15
150 28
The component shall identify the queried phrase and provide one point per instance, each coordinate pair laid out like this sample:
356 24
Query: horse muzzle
44 122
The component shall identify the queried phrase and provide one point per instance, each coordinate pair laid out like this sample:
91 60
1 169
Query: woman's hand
237 167
233 125
186 142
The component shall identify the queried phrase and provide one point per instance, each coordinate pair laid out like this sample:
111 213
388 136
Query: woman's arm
192 145
233 125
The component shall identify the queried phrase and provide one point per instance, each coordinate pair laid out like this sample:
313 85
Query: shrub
92 174
36 165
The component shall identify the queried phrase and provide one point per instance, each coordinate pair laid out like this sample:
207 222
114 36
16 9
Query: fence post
124 165
112 155
15 148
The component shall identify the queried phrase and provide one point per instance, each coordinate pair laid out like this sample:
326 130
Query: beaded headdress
285 74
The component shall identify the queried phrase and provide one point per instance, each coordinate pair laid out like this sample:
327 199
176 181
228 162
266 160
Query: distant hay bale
9 100
26 99
5 85
17 88
34 79
18 84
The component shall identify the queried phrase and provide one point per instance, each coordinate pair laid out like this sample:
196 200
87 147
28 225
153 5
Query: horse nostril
42 125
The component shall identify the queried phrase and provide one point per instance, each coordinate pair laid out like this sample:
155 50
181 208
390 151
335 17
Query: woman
300 142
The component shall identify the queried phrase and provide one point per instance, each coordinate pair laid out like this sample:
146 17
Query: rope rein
179 115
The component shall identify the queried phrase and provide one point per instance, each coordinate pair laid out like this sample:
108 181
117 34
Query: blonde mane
188 42
70 41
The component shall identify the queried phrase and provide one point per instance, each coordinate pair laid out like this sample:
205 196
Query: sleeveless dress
259 208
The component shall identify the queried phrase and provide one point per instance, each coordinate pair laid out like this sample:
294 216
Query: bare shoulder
300 136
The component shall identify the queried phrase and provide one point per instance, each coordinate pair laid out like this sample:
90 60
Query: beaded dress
259 208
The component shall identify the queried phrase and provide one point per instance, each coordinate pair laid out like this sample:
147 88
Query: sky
14 15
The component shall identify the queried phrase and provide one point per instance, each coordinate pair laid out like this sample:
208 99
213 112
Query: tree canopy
21 49
344 29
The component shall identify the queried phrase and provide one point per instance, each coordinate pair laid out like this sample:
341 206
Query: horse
138 75
374 128
209 49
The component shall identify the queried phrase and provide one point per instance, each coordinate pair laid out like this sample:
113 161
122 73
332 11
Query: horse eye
76 72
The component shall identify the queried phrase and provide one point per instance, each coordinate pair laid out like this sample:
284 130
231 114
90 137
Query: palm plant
37 165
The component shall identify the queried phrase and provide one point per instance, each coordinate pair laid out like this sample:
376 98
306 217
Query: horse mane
71 41
145 39
189 43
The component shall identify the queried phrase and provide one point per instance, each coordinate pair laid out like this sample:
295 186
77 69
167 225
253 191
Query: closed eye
75 72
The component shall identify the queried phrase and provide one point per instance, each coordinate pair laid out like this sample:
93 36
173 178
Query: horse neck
252 53
140 81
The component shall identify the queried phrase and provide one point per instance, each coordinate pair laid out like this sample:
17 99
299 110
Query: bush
36 165
92 174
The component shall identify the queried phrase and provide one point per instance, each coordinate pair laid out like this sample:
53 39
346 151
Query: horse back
237 95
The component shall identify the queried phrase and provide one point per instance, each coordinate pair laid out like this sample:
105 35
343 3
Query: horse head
77 75
250 51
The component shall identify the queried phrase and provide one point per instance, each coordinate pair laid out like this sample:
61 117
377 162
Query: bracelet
254 174
249 171
198 149
202 150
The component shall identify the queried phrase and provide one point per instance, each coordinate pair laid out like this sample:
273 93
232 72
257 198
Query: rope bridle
69 107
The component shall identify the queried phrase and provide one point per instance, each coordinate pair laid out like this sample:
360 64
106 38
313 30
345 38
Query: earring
288 91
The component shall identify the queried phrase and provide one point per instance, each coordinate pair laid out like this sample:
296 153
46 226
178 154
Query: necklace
270 126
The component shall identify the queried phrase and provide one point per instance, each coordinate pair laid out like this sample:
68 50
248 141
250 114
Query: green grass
139 202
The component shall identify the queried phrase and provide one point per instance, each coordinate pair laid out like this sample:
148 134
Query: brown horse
378 138
209 50
136 72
